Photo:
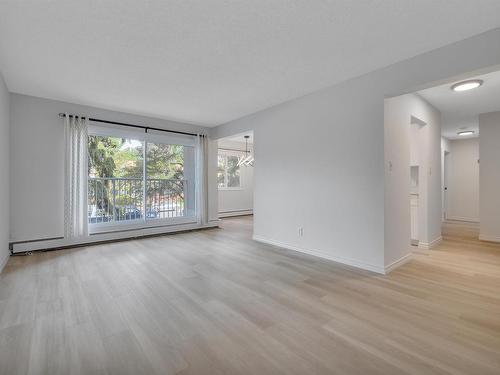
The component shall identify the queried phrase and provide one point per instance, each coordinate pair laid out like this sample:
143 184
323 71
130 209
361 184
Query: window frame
149 137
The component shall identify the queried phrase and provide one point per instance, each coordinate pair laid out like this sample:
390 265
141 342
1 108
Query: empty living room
249 187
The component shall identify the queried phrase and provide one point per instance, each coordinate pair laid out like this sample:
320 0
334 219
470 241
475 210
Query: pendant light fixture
248 159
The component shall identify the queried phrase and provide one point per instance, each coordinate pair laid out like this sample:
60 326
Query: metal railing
125 199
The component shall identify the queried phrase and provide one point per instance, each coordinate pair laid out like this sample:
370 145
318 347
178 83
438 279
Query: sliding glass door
139 179
168 178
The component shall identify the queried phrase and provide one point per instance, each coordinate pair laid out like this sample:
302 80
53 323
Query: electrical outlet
301 232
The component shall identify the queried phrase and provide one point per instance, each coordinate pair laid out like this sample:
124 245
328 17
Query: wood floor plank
217 302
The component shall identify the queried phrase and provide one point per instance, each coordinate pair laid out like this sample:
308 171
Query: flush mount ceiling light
467 85
466 132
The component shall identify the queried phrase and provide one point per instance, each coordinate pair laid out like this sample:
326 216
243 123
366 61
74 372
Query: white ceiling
460 110
211 61
240 137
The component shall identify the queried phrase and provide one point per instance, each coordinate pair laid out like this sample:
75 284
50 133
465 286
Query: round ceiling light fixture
466 132
467 85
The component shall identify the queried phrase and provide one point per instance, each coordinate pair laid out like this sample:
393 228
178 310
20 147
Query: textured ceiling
211 61
460 110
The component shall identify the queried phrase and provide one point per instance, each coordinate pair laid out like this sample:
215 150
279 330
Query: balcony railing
122 199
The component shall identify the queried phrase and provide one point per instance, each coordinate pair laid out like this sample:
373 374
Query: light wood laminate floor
216 302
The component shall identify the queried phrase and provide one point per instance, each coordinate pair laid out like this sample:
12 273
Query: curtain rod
146 128
230 149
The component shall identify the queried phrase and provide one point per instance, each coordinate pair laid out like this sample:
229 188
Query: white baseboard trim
461 218
346 261
235 213
3 262
489 238
107 237
397 263
430 245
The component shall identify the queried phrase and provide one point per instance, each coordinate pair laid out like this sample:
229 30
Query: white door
414 218
446 171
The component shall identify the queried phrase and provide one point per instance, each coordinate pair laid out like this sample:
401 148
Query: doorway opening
235 167
460 143
441 149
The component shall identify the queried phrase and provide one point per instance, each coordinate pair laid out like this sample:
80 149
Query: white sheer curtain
202 179
75 197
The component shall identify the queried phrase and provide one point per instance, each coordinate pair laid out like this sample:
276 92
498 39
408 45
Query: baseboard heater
235 213
56 243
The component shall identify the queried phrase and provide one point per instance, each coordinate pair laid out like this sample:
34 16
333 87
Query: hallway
461 254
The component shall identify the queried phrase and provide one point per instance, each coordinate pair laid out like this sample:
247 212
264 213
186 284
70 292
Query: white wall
240 200
37 162
4 168
489 176
320 158
320 167
463 180
412 131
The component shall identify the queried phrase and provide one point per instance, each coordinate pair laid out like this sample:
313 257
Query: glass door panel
115 179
